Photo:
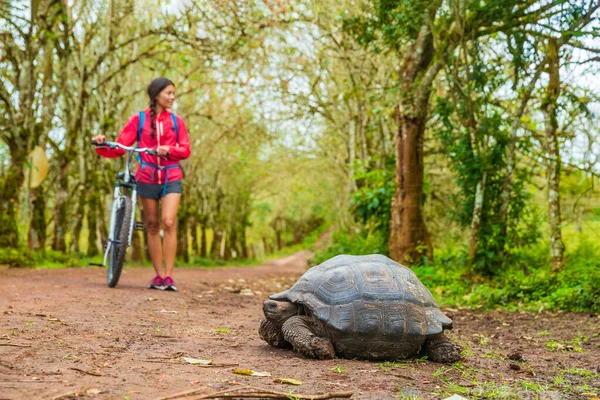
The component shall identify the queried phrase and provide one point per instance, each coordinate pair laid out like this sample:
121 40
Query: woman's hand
162 151
99 139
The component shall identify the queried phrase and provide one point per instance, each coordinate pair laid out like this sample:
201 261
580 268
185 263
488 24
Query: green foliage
370 203
395 21
476 136
15 257
361 243
528 283
41 259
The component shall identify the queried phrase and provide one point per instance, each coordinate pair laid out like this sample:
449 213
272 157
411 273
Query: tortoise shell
368 296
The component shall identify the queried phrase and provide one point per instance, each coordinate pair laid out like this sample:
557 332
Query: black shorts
156 191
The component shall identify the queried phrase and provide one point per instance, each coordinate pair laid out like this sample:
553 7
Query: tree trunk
352 128
79 216
60 210
9 201
233 242
37 228
182 237
102 229
266 247
553 162
409 240
476 221
215 248
243 243
279 241
92 220
203 240
195 250
224 248
578 219
137 247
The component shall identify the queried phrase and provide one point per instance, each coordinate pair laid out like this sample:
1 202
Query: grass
581 372
496 389
387 366
339 369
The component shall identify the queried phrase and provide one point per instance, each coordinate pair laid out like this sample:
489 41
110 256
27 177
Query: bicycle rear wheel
118 249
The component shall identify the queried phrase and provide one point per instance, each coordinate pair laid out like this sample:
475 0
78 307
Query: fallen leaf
288 381
250 372
190 360
151 299
93 391
168 311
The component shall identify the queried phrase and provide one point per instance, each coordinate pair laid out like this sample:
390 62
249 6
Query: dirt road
64 334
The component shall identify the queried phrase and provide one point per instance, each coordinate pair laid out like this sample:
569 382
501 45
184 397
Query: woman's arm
127 137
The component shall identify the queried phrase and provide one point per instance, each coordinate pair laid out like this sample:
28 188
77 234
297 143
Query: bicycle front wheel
118 250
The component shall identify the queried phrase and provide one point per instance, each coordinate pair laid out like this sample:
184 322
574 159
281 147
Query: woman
159 178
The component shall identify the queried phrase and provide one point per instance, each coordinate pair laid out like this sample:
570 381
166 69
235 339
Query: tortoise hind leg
297 331
440 349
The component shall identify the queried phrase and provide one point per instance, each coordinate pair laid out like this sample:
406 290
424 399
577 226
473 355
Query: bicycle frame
124 179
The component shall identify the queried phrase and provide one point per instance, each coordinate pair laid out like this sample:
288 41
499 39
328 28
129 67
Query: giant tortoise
367 307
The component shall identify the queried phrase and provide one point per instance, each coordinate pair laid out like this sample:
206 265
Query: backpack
143 119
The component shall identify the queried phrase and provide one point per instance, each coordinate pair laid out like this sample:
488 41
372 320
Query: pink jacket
164 135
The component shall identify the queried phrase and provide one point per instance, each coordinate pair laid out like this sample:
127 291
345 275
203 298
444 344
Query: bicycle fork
113 217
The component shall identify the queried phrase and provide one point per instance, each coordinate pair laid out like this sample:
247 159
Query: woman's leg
152 222
170 205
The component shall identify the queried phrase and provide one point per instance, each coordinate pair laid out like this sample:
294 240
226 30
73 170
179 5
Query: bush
361 243
16 257
52 258
526 282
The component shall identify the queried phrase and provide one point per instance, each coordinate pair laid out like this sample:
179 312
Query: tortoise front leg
299 332
271 333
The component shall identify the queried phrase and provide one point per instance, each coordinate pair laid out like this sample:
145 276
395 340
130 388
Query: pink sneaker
169 284
157 283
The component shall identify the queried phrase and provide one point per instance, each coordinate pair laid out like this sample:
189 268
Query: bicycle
122 216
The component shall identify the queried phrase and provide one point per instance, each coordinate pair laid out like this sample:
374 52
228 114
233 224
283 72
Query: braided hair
154 89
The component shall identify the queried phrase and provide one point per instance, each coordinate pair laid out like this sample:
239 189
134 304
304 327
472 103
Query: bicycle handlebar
114 145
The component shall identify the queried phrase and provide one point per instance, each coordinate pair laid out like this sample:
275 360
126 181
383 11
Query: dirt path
64 334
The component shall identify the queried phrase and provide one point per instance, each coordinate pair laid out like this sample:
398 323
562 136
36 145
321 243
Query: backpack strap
140 126
142 115
176 127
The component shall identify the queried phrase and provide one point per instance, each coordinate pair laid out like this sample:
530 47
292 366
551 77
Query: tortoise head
279 311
